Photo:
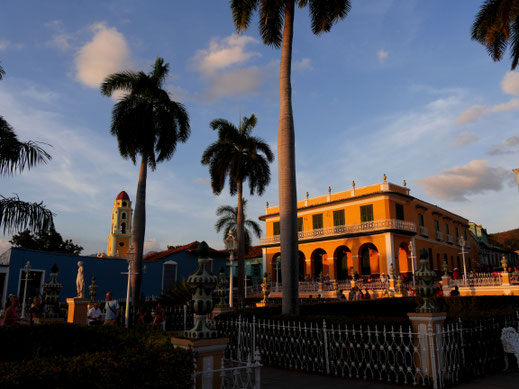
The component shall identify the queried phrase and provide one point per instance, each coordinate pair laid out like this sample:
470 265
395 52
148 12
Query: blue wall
106 270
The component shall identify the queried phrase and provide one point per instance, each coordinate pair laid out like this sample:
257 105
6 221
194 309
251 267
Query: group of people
11 314
356 294
113 314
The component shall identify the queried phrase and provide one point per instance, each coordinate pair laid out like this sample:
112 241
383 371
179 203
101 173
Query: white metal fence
459 351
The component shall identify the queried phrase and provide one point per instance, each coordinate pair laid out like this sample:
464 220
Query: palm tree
241 157
276 27
147 123
15 156
229 221
496 24
2 72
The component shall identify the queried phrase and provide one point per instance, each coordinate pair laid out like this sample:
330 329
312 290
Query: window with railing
299 224
338 218
447 229
317 221
366 213
276 228
437 225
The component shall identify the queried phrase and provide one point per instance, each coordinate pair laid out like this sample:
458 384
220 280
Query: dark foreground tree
241 157
15 157
276 25
496 27
147 124
45 241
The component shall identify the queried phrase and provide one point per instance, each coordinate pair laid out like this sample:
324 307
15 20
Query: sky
397 87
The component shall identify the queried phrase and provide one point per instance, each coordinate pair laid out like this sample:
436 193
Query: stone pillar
427 328
203 339
77 310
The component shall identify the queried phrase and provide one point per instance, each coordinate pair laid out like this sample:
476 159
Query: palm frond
325 14
242 11
16 155
271 20
2 72
17 215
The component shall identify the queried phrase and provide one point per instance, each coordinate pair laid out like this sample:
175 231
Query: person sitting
36 310
455 292
10 315
351 295
159 316
94 315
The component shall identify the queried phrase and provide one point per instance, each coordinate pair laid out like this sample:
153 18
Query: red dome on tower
123 196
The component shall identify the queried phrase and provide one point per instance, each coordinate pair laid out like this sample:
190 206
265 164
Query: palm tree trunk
138 229
241 246
287 173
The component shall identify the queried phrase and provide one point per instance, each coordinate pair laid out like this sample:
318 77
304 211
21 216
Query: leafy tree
173 247
276 25
45 241
16 156
178 294
228 221
241 157
147 124
496 27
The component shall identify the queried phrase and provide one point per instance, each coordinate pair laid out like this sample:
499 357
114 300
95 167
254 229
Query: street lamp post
230 245
413 257
131 257
462 244
27 269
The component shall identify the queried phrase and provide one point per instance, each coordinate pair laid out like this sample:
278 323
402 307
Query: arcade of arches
368 256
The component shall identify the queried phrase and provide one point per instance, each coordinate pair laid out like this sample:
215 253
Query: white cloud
4 246
60 38
302 64
236 83
382 55
461 181
4 44
203 181
152 245
505 147
222 54
465 138
509 85
105 54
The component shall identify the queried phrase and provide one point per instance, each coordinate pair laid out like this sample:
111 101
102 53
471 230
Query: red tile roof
254 252
191 247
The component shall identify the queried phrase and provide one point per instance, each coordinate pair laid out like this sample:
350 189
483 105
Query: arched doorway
317 260
369 259
276 268
404 264
302 261
343 261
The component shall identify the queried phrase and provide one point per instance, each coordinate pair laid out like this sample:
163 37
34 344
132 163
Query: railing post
238 354
185 317
257 369
325 340
253 348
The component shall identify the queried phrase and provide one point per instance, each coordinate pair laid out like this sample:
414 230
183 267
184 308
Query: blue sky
397 87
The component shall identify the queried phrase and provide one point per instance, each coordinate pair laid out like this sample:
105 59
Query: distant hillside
508 240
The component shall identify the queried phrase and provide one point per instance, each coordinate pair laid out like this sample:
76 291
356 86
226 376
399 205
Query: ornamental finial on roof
353 184
307 195
385 177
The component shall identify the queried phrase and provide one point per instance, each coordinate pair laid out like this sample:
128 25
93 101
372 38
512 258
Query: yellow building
121 227
368 229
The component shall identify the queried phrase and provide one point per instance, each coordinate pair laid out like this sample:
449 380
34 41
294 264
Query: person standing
11 316
112 310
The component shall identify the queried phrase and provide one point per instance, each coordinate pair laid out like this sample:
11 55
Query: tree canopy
45 241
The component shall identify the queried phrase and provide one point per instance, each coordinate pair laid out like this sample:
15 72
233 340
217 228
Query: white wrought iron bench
510 340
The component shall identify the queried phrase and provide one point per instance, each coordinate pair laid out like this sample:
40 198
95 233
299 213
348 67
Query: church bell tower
121 228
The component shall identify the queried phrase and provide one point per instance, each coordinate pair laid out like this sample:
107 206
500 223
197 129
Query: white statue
80 281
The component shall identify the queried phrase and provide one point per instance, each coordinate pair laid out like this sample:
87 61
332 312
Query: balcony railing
448 238
424 231
439 235
372 226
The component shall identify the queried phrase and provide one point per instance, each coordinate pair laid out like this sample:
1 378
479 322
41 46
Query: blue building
161 271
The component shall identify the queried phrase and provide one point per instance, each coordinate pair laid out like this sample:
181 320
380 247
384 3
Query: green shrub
93 357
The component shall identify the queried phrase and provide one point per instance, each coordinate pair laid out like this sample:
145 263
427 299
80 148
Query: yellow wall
391 244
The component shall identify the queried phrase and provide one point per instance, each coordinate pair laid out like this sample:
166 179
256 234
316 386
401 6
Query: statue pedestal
77 310
208 354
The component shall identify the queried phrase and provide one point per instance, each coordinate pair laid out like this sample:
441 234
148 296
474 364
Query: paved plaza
277 378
